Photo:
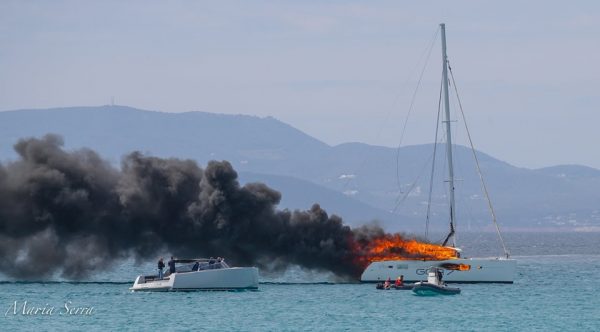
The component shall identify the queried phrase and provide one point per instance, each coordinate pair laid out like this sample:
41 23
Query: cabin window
402 266
390 266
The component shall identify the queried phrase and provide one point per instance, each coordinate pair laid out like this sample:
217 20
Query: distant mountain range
361 183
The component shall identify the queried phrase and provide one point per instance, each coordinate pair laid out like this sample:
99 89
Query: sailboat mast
448 136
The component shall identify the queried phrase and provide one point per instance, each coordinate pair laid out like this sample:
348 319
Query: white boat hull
217 279
490 270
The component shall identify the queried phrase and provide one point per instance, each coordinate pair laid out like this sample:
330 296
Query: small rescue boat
398 285
434 285
381 286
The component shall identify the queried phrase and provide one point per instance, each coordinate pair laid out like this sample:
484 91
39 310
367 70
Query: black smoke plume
70 213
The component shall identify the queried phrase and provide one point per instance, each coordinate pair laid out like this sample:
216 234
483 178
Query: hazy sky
527 71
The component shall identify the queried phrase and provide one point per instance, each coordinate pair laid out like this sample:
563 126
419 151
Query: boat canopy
192 260
199 264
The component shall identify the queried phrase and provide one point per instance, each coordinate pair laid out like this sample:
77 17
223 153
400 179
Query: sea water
557 287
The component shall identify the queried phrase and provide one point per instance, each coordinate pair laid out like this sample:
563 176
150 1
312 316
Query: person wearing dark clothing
171 265
161 266
196 266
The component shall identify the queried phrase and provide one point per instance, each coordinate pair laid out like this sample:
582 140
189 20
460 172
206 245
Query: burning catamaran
392 256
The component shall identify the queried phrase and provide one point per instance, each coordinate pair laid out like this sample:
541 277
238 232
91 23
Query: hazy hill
113 130
252 144
571 172
358 181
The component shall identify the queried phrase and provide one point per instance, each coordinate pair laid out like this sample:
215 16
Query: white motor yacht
200 274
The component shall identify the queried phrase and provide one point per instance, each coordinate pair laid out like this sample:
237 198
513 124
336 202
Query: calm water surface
556 288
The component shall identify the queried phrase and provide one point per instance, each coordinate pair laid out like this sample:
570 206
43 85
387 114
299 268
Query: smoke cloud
70 213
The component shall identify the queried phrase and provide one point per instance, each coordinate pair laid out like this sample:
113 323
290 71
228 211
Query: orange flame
395 247
456 267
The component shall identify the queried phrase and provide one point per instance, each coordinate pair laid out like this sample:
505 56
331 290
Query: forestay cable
410 108
437 126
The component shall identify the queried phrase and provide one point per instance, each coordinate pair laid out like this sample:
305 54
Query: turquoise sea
557 288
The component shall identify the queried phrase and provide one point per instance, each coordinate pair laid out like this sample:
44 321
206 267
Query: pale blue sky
341 71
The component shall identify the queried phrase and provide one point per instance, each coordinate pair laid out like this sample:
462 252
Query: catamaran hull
219 279
482 270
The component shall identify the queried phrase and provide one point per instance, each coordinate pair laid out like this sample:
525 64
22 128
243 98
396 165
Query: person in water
400 281
161 266
172 265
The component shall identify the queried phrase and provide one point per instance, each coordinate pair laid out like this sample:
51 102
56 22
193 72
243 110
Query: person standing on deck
172 265
161 266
